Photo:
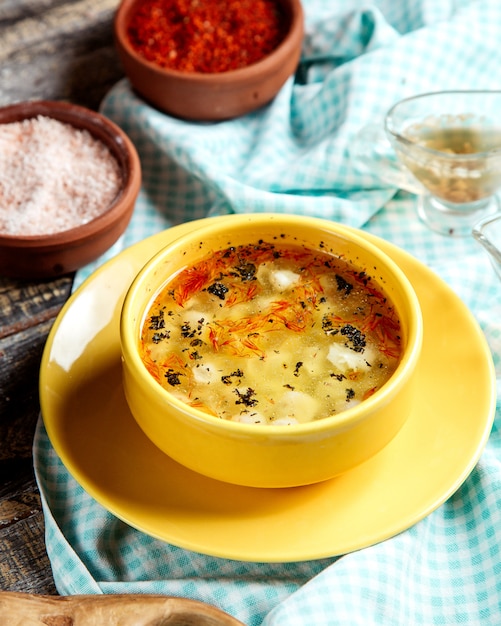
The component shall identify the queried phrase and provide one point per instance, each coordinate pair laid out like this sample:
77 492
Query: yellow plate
93 432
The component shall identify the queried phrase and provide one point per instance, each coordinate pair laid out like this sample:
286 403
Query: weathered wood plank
24 565
54 50
26 303
18 497
20 357
27 313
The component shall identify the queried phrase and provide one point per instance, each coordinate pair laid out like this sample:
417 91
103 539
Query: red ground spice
207 36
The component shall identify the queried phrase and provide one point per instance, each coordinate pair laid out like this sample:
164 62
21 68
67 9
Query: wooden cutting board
22 609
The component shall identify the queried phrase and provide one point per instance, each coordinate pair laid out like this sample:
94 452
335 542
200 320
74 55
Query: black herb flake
228 252
355 336
328 326
339 377
187 331
350 394
157 322
247 398
173 377
343 285
362 276
218 289
158 337
246 271
227 379
299 365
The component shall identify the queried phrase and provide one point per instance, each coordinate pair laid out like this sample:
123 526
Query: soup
270 333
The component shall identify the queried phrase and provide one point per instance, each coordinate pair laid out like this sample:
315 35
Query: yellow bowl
269 455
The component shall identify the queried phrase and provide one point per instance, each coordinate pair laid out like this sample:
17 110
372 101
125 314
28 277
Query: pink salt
53 177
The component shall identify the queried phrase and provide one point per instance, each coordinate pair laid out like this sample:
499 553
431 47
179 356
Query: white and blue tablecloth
292 156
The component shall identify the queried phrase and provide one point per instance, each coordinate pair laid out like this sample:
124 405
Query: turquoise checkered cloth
292 156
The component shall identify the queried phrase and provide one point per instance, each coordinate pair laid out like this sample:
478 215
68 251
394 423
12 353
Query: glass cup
446 148
488 233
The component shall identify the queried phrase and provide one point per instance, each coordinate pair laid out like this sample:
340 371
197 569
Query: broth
271 333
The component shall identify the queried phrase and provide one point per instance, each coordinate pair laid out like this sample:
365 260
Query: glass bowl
488 234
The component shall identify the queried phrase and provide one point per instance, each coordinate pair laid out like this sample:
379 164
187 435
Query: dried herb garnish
343 284
157 322
218 289
349 394
246 271
247 398
227 380
355 336
158 337
299 365
339 377
363 278
187 331
173 377
328 326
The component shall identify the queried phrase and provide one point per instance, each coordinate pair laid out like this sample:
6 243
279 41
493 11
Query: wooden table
56 50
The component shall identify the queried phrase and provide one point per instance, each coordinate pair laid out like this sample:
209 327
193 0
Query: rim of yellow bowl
135 294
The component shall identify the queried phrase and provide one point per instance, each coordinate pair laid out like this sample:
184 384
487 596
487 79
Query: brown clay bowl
52 255
211 96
